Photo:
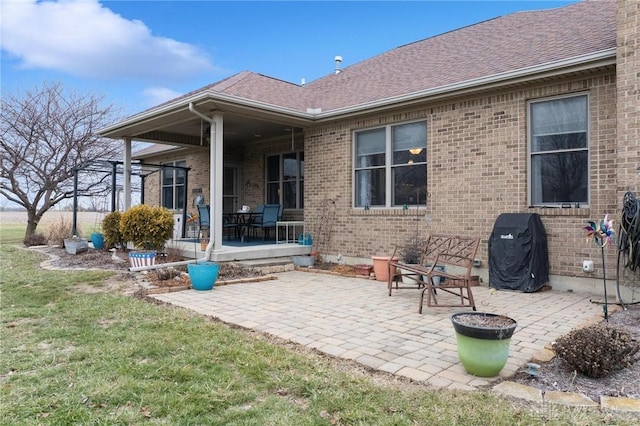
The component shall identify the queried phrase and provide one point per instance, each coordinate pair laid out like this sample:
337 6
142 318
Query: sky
138 54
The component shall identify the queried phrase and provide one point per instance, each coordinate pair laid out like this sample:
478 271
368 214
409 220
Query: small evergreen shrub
57 231
147 227
411 252
111 230
598 350
165 274
36 239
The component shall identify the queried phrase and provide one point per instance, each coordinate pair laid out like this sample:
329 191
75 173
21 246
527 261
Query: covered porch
226 142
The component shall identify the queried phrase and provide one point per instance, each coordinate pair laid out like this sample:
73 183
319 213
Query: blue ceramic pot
203 275
98 240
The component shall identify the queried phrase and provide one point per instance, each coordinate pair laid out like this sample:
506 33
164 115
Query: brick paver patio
354 318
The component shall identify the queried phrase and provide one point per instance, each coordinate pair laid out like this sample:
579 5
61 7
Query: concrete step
270 265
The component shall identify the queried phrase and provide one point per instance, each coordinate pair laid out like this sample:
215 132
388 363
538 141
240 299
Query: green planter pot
483 349
203 275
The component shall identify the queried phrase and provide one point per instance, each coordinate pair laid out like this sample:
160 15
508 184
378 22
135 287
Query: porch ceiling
176 125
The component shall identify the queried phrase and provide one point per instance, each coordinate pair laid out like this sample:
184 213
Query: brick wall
628 95
477 169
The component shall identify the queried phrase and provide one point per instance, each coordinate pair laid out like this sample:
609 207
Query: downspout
207 253
163 265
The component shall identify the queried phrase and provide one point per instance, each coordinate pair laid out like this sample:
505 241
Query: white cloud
157 95
86 39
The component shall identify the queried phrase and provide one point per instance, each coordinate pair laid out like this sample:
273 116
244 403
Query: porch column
126 187
216 168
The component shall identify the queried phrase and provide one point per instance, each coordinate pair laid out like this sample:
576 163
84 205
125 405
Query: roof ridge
230 81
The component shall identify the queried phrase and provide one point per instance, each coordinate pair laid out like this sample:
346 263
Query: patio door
231 189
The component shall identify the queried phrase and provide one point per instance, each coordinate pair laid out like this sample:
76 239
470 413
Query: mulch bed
103 259
556 376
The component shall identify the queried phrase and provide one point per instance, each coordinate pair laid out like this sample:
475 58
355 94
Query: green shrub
598 350
57 231
111 230
147 227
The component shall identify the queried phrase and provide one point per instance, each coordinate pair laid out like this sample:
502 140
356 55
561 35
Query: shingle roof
505 44
508 43
265 89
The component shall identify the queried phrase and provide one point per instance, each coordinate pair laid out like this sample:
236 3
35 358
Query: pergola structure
115 168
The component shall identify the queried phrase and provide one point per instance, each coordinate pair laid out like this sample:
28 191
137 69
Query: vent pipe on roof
338 60
303 82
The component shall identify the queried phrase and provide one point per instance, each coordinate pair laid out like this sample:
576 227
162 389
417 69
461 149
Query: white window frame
389 166
531 154
176 163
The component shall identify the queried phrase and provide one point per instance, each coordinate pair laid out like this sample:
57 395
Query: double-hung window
285 180
559 151
173 189
390 167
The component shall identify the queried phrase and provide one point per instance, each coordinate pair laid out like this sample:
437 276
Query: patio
355 319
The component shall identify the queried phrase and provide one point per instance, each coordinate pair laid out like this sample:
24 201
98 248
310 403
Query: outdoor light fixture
205 133
415 151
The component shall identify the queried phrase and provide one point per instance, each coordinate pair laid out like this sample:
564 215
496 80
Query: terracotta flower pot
381 267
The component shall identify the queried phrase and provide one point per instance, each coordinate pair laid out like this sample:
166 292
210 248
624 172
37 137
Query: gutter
207 95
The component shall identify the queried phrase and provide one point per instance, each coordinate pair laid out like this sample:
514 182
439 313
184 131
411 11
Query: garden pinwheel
601 232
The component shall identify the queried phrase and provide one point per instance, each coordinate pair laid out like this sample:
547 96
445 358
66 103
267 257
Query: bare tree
45 135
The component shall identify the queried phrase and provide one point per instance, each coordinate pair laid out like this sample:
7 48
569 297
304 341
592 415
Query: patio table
242 220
